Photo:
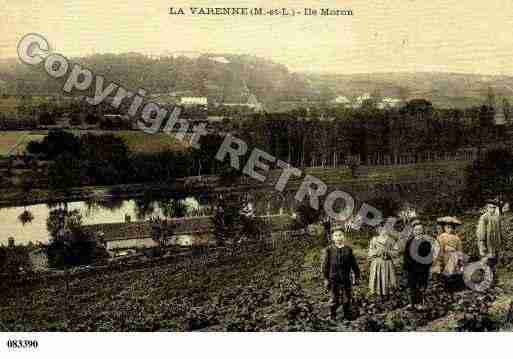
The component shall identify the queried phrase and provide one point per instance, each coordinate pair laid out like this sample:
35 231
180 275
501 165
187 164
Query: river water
92 213
114 211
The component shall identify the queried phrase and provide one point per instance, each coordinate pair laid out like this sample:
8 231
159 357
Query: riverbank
369 179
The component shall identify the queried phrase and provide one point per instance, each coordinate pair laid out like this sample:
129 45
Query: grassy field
9 105
15 142
377 173
137 141
8 140
261 291
142 142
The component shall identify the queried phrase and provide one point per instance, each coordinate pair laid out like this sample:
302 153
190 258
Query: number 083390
22 344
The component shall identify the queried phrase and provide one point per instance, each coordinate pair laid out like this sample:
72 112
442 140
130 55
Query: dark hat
494 201
415 222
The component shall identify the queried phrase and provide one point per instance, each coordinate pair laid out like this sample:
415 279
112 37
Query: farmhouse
389 102
122 236
193 101
341 100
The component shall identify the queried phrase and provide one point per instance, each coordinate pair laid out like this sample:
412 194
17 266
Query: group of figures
423 257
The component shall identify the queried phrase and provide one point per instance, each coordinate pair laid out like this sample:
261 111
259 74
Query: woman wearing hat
450 259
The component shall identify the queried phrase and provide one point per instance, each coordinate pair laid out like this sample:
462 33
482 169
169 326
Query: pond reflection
115 210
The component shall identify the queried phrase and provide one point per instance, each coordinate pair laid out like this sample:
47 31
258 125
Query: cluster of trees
34 112
491 176
70 245
162 229
418 128
83 160
234 221
80 113
106 160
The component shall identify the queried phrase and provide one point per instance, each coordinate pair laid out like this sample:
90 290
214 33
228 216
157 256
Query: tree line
300 137
303 137
106 159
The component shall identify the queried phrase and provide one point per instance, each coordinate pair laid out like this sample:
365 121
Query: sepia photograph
248 166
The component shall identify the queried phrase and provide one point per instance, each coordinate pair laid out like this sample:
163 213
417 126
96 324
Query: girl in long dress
382 278
451 257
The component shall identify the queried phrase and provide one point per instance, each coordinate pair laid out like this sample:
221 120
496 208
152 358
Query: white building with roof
341 100
389 102
193 101
361 99
251 102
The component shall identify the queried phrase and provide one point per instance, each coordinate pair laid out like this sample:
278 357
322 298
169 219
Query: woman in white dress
382 278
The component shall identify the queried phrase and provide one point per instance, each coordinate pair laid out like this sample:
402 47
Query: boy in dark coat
338 262
418 254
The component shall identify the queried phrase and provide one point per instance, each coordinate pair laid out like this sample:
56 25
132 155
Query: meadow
386 173
13 142
141 142
137 141
9 104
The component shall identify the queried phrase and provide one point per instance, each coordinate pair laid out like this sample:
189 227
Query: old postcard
312 166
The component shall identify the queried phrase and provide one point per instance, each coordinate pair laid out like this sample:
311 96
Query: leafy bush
306 215
14 260
70 244
491 176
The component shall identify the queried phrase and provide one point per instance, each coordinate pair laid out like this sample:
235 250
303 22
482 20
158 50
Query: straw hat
449 220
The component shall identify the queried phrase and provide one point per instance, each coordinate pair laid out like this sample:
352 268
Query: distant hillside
221 77
231 78
443 89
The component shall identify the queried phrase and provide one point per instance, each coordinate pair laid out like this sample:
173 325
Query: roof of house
189 225
341 99
113 231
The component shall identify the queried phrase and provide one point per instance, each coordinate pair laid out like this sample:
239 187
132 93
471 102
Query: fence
336 160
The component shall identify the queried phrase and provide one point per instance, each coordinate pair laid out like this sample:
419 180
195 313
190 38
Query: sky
465 36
